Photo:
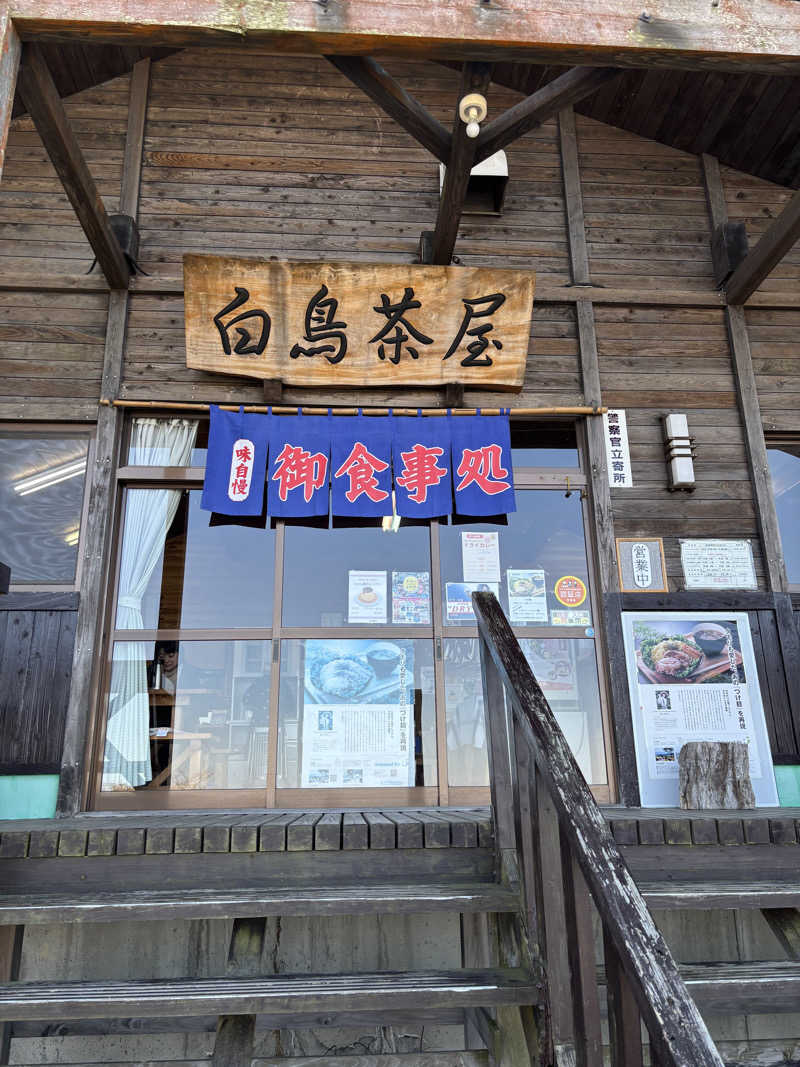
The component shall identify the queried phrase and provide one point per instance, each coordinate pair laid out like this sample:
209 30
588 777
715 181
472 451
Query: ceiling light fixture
45 479
472 110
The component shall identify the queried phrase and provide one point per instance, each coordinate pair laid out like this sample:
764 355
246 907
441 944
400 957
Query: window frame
785 442
56 429
572 479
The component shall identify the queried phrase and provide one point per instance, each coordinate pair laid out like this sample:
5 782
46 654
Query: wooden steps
746 988
721 894
277 994
72 907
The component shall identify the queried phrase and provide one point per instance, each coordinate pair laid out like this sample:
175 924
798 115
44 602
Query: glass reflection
178 571
543 573
356 576
41 500
187 716
566 669
356 713
785 472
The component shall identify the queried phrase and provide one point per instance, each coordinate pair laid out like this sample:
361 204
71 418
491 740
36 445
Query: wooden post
582 964
235 1038
600 491
767 254
624 1023
497 743
10 956
45 108
474 79
10 49
96 537
749 408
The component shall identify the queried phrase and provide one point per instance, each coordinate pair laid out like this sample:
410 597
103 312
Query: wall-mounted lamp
472 109
486 188
679 448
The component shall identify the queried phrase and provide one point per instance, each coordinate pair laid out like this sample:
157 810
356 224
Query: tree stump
715 774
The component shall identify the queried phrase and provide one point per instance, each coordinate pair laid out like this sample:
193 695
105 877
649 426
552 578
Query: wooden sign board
347 324
642 568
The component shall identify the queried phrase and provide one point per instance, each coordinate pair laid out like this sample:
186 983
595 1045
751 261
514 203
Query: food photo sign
693 677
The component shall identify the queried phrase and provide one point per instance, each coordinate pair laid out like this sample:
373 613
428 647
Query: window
331 663
42 483
784 466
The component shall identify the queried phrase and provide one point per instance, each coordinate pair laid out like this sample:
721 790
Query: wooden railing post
497 742
624 1021
582 963
553 919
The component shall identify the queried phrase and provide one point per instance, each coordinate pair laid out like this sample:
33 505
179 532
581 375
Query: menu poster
717 564
527 596
411 597
693 678
366 596
358 714
459 598
480 556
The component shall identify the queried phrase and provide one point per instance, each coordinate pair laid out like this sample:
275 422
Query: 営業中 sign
641 565
344 325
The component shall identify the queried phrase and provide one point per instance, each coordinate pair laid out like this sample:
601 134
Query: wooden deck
193 832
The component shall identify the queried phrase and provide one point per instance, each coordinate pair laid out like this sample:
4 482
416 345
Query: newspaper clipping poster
358 714
693 677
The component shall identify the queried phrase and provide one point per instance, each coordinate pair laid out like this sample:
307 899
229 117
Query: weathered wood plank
267 993
682 35
38 908
355 832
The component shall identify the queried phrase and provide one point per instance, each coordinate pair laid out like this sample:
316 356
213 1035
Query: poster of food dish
527 596
358 714
693 677
366 596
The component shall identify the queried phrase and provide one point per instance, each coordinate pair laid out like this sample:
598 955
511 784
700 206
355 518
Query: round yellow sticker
570 591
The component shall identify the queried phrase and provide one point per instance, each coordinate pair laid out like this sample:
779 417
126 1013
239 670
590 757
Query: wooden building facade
289 145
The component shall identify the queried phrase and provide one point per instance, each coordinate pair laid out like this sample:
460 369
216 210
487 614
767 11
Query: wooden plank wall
647 228
51 344
37 632
280 156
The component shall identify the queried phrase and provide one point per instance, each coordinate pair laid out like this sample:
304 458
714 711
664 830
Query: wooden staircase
540 983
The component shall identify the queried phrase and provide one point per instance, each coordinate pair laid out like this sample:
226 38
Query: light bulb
473 129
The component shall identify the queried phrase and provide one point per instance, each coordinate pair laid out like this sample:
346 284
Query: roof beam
761 37
392 98
542 105
474 79
44 105
770 250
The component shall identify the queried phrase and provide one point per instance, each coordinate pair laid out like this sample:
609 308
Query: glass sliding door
330 664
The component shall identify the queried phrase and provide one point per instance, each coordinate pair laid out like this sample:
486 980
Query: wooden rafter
407 112
770 250
542 105
688 34
474 79
44 105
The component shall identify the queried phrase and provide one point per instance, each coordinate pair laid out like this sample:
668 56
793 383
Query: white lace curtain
148 517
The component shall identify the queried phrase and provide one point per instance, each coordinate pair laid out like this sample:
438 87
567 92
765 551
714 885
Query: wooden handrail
567 850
